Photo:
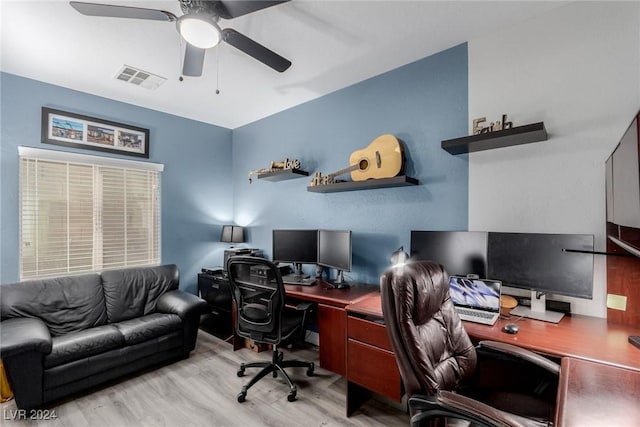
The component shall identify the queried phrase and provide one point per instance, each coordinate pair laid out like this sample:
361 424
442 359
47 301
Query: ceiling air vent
139 77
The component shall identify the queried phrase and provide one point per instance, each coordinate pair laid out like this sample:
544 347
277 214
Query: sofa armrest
181 303
521 353
22 335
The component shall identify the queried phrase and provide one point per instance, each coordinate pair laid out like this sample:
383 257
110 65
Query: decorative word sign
274 166
493 126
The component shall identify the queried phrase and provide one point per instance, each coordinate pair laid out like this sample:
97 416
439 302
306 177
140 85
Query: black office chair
259 295
445 377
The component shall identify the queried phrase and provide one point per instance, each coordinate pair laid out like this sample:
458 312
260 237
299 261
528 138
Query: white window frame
89 160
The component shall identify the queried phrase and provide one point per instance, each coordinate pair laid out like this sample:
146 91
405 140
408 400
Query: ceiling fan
199 28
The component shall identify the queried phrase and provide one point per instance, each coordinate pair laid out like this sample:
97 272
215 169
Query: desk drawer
373 368
369 332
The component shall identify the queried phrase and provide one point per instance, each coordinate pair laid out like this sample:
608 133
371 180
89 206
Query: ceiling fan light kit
199 30
198 26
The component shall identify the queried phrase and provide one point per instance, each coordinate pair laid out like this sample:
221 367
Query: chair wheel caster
240 372
291 397
310 370
242 396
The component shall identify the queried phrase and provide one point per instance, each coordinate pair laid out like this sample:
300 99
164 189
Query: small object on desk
300 281
212 271
635 340
511 328
507 303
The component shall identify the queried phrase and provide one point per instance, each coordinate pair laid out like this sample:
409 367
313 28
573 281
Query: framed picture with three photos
79 131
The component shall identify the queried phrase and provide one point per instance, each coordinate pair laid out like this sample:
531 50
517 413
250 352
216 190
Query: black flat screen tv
560 264
295 246
461 252
334 251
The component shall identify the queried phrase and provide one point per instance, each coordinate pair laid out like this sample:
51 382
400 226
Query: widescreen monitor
560 264
461 252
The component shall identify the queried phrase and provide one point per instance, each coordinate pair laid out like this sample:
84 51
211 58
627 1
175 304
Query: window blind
78 215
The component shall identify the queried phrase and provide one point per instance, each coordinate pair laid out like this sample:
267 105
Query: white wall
576 68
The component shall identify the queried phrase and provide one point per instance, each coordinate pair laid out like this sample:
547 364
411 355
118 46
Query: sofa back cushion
64 304
133 292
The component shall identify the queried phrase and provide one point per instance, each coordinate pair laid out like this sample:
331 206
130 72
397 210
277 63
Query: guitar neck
345 170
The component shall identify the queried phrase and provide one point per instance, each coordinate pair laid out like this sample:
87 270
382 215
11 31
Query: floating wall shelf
501 138
281 175
369 184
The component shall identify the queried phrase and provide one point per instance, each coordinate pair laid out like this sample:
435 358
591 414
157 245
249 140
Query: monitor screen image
545 263
334 249
461 252
295 246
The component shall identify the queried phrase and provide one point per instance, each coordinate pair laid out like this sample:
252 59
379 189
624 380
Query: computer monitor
560 264
297 247
334 251
461 252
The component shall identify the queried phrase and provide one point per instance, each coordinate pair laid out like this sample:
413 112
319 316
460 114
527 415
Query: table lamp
232 234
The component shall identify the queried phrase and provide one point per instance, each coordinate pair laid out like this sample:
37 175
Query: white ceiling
332 44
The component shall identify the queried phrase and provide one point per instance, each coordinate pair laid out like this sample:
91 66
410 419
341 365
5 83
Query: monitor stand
339 282
297 275
538 310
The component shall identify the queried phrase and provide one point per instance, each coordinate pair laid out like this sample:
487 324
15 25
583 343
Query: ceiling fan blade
255 50
232 9
193 61
112 11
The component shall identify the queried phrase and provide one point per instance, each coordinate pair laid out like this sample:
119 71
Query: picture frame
79 131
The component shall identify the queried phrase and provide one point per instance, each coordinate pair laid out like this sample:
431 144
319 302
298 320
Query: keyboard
477 316
302 282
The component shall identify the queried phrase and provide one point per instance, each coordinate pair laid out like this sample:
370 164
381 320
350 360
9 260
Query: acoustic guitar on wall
383 158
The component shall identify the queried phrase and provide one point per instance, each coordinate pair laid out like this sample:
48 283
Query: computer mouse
511 328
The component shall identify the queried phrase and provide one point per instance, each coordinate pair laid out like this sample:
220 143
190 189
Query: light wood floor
202 390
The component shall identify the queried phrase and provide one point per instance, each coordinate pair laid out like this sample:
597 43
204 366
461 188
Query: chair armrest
521 353
304 306
453 405
181 303
24 334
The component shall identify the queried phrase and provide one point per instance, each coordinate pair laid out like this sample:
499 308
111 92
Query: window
81 213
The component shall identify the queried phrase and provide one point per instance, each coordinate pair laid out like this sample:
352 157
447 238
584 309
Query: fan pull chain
218 70
180 78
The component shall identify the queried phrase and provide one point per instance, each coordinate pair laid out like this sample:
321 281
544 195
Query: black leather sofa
62 335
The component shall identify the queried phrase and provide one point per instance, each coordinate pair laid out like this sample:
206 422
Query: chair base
277 364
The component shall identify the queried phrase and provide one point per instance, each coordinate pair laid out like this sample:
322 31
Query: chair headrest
428 285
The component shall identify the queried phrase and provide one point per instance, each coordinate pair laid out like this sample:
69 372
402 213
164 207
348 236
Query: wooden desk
332 318
594 394
371 363
580 337
600 368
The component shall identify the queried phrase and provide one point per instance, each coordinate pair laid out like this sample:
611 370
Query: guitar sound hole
364 164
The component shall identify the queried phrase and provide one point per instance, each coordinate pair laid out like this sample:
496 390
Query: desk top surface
582 337
323 293
597 395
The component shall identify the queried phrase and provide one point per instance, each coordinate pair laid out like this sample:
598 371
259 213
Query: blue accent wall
205 182
421 104
196 194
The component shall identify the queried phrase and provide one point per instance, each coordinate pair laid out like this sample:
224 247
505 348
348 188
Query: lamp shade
232 234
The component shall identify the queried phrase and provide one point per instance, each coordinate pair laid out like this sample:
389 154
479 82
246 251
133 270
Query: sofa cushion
133 292
147 327
78 345
65 304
